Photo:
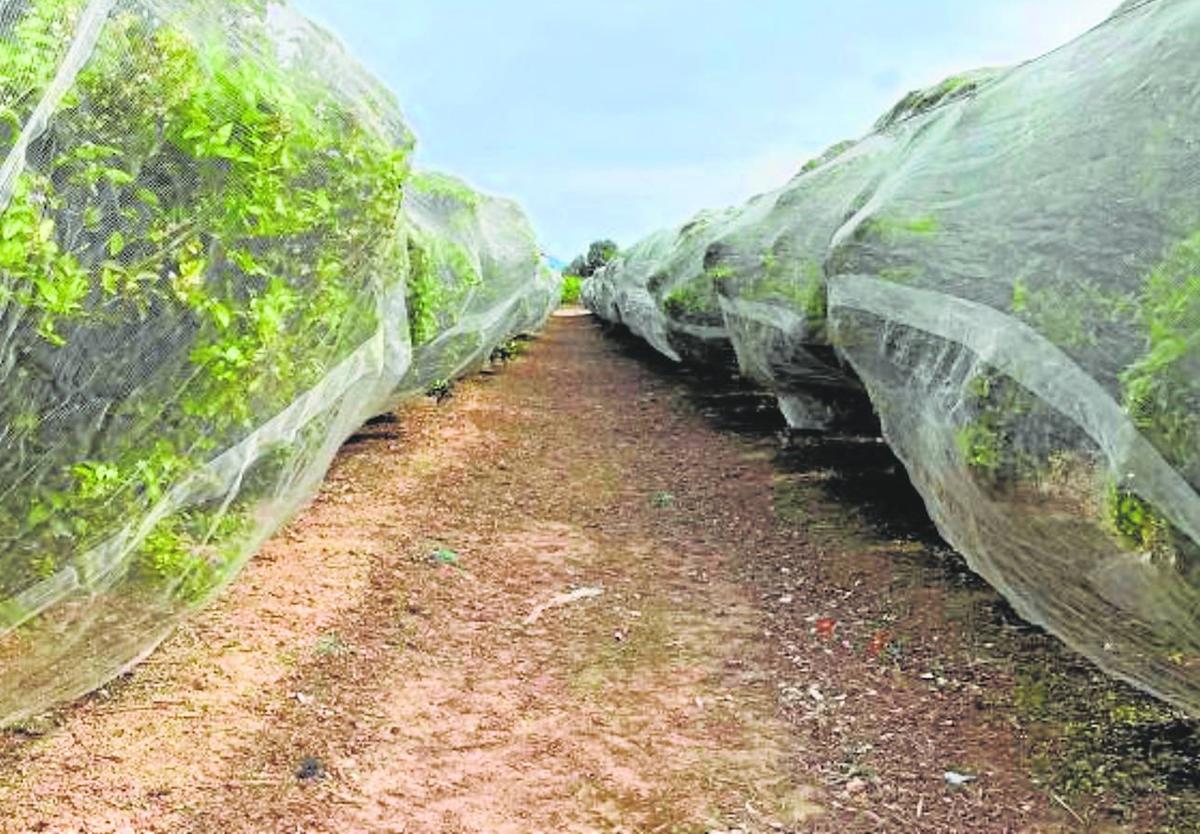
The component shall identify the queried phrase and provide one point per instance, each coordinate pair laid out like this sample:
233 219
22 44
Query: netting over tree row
214 266
1008 267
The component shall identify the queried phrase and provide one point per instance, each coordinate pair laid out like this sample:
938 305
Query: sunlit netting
1010 266
477 278
204 269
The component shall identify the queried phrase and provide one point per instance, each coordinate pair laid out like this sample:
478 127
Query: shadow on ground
1114 758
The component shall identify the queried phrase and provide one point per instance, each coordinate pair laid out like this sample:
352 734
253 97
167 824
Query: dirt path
393 661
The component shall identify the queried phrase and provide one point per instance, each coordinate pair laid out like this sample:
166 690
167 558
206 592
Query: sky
614 118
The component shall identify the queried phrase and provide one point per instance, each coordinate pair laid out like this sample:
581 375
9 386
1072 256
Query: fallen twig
561 600
1070 810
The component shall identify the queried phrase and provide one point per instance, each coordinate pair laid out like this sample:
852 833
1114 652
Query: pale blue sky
614 118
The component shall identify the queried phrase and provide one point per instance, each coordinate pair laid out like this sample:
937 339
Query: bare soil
570 599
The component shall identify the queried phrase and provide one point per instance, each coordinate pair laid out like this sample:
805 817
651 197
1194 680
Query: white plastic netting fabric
477 277
648 289
1009 266
204 266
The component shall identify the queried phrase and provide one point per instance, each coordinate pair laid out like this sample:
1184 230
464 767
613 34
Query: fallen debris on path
562 599
679 703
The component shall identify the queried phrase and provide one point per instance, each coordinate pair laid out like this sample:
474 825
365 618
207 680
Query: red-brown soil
731 667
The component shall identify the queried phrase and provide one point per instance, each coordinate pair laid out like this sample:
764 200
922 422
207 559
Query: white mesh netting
1009 266
207 241
476 278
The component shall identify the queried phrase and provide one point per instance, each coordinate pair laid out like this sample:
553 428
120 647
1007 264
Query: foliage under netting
1009 267
477 277
204 265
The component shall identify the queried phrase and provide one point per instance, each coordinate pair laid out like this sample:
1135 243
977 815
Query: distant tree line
598 256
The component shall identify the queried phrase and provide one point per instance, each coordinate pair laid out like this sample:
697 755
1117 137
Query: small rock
957 780
310 770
